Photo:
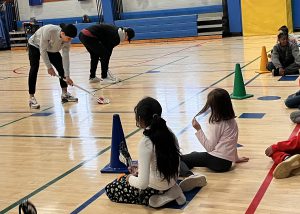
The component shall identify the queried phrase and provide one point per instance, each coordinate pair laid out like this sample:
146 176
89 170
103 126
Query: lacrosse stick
100 100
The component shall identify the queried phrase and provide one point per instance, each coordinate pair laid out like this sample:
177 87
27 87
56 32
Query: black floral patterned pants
121 192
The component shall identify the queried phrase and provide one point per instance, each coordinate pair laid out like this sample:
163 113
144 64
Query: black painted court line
55 136
22 118
102 191
101 152
215 83
61 176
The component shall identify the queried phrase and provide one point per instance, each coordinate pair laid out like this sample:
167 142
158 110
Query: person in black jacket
99 40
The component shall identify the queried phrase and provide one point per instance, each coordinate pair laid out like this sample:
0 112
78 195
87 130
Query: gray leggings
202 159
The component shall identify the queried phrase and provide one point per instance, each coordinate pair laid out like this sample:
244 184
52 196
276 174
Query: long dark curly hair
148 111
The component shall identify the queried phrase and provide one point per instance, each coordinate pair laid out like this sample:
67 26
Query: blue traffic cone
118 144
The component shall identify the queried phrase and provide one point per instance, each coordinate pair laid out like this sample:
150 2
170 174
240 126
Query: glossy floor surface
53 155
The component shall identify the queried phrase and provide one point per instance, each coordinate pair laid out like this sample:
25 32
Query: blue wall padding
107 11
235 16
172 12
35 2
162 27
296 13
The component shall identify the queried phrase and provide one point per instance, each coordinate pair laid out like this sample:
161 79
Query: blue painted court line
22 118
68 172
288 78
152 72
42 114
252 115
61 176
172 205
88 202
269 98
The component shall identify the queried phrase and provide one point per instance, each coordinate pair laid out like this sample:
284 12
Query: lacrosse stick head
103 100
124 154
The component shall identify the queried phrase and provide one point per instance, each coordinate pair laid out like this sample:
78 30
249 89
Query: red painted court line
16 72
264 186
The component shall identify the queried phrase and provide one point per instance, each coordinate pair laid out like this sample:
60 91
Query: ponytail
166 148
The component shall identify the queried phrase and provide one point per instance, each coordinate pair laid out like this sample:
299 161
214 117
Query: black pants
293 100
291 69
202 159
34 58
97 51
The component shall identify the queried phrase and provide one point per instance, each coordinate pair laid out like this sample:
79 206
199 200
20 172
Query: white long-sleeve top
47 39
148 174
221 139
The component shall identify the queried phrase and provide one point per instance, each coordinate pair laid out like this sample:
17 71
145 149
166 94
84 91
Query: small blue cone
115 165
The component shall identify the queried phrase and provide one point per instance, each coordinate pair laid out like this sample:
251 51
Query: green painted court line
53 136
23 117
99 153
61 176
213 84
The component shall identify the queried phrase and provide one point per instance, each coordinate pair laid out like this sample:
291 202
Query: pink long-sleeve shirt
221 139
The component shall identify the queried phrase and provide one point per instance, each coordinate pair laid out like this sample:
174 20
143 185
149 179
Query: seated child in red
286 154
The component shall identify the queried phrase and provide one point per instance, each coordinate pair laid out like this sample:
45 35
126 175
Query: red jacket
291 146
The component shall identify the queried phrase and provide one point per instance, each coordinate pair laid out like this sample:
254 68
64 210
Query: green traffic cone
239 91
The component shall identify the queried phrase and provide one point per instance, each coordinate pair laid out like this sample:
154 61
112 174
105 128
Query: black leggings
34 58
97 51
202 159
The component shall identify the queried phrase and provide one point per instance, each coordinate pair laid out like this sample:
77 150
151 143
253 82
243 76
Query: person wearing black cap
99 40
47 41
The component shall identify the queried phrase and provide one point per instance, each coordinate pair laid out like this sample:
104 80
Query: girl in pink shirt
220 141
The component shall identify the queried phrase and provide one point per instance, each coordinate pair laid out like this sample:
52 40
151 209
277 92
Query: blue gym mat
288 78
189 197
252 115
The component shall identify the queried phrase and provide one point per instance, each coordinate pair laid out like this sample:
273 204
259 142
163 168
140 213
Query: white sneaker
111 76
285 168
192 182
174 193
67 97
94 80
108 81
33 103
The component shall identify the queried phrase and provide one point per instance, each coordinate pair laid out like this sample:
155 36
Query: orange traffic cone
263 61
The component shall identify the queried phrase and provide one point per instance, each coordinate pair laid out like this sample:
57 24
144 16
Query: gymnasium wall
149 5
60 9
260 18
75 8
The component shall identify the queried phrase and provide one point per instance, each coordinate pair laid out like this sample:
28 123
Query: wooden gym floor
53 156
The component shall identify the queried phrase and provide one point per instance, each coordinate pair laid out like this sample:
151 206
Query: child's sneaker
107 80
174 193
94 80
192 182
111 76
110 79
33 103
67 97
284 169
